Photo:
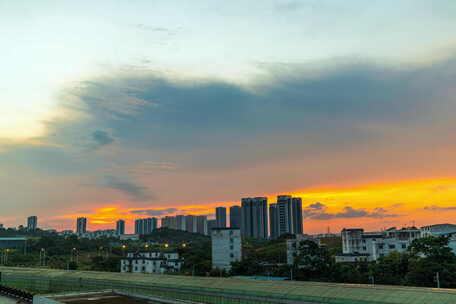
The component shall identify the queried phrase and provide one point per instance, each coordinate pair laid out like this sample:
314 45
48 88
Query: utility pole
437 278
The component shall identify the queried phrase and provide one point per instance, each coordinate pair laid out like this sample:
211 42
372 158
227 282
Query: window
404 246
231 255
392 246
231 247
364 248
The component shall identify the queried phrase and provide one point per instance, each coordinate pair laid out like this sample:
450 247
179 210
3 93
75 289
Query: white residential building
447 230
294 246
226 247
359 245
98 234
151 262
436 230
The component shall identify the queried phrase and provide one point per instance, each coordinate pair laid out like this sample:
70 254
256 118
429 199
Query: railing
43 284
16 293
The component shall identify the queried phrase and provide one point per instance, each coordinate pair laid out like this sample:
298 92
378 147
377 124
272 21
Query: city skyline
112 111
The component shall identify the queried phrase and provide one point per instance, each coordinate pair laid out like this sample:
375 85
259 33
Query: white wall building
98 234
436 230
151 262
446 230
359 245
226 247
293 246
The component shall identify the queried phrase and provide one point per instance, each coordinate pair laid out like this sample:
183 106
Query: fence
46 284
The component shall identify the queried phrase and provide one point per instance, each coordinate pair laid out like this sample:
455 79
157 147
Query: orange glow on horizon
406 200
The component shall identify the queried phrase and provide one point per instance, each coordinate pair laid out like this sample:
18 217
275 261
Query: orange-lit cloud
369 206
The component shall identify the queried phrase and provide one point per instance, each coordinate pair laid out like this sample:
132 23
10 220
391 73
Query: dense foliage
419 266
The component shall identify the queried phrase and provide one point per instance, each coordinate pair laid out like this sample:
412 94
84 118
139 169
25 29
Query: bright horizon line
436 192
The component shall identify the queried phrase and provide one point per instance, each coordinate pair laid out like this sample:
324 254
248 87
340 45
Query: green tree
312 262
390 269
431 256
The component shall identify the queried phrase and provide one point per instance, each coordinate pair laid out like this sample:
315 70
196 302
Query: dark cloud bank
293 112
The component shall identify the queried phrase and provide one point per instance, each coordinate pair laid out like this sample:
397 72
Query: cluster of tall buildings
145 225
189 223
284 217
255 218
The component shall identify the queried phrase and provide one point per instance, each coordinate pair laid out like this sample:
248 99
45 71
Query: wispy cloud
155 211
318 211
135 191
437 208
100 139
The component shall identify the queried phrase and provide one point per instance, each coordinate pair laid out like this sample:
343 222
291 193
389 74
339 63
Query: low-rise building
436 230
226 247
12 242
98 234
151 262
294 246
129 237
373 245
352 257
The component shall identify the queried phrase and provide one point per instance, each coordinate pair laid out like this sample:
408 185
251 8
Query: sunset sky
126 109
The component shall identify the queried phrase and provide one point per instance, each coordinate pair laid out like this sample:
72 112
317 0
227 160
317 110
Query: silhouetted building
180 222
145 226
169 222
32 223
220 217
254 217
286 216
201 224
235 217
273 221
190 223
81 225
120 227
211 224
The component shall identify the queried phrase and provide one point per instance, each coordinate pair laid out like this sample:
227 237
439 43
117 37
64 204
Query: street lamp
75 255
5 256
166 245
184 245
43 257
